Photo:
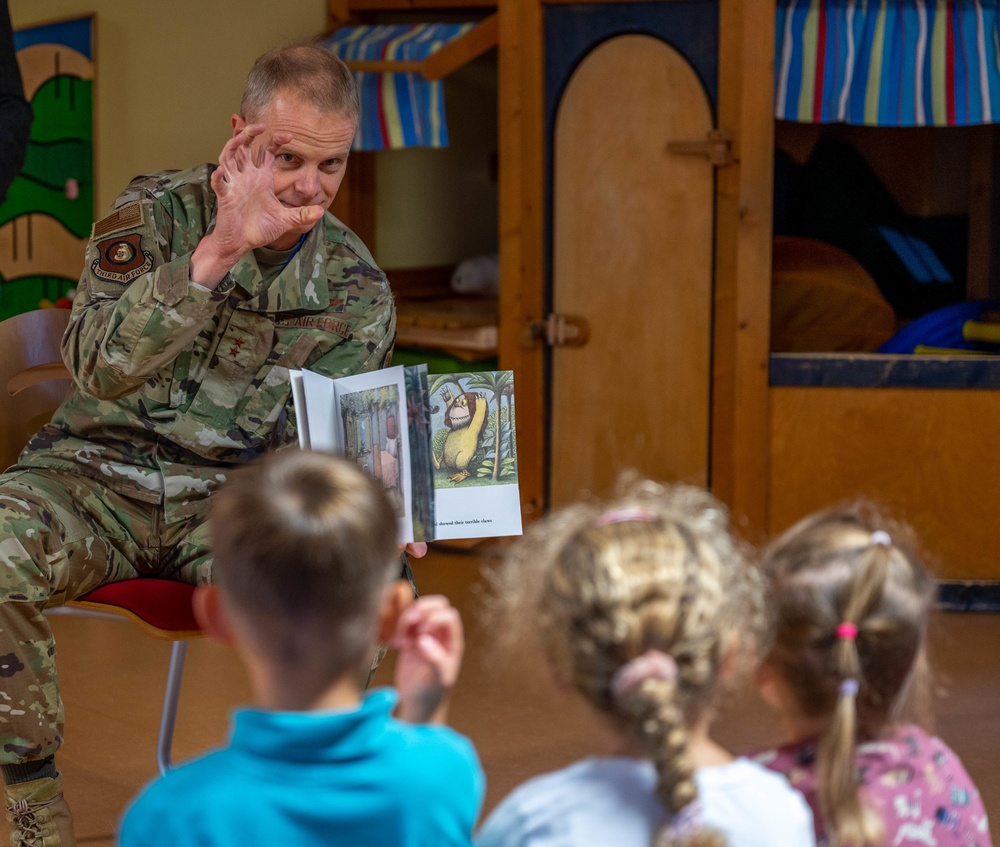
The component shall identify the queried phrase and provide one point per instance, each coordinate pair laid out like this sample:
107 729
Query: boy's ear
397 597
211 617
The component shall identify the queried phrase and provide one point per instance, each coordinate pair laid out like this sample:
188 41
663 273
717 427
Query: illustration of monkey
465 417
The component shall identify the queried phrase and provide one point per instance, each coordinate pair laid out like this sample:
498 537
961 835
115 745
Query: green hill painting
46 218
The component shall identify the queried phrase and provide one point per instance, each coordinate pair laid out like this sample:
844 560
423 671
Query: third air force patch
121 259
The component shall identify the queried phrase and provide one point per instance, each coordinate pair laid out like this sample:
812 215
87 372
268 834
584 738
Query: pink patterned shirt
914 782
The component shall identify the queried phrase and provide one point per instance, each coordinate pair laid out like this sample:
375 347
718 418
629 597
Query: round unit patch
121 259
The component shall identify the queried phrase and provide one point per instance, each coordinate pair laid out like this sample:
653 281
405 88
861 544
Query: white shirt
611 802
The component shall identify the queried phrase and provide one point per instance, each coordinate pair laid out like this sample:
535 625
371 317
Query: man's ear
397 597
211 617
238 124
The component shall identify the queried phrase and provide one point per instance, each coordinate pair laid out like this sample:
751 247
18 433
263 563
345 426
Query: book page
371 408
418 418
474 454
363 417
322 425
299 403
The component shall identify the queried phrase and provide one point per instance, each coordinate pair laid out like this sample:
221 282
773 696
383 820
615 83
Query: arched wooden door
632 255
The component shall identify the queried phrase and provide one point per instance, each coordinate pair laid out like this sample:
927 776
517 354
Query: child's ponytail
850 615
848 822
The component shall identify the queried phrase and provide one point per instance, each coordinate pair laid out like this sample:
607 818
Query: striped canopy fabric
398 110
888 62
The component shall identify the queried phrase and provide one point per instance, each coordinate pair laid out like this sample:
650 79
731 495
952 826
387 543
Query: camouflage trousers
62 535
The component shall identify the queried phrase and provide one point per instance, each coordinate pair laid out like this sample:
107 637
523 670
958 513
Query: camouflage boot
38 814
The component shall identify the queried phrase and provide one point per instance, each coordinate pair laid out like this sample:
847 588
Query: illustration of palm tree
439 380
508 392
494 381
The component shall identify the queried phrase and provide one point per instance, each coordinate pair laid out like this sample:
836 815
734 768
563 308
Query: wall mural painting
45 221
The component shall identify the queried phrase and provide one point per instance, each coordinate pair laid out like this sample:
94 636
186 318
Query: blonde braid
657 570
658 725
657 595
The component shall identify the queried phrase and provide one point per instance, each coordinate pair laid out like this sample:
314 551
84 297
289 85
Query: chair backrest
27 341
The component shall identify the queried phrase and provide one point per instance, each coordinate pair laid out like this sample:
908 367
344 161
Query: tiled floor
112 681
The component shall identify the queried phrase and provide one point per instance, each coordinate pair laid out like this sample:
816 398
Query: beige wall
170 74
438 207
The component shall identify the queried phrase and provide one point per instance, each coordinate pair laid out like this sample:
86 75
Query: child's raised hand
430 642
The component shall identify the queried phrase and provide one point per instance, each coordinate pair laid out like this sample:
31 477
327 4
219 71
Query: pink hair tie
847 631
623 515
653 664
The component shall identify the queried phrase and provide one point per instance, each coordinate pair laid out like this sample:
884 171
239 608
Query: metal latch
717 147
557 331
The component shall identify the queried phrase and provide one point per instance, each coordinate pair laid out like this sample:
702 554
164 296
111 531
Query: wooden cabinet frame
740 414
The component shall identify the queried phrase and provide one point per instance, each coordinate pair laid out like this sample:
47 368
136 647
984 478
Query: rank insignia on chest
121 259
236 347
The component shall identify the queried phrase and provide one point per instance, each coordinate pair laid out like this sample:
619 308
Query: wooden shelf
464 327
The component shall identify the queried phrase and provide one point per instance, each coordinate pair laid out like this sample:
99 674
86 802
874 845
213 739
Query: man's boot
38 814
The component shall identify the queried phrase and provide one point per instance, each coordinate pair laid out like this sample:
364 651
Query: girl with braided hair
637 605
847 672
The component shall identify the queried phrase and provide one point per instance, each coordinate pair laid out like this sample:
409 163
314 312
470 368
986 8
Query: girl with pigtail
847 673
642 606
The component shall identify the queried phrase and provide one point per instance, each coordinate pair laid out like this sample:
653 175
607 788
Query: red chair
161 608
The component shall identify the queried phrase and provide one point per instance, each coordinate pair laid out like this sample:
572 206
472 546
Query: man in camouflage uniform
201 288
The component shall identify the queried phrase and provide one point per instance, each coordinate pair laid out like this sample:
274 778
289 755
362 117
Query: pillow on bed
823 300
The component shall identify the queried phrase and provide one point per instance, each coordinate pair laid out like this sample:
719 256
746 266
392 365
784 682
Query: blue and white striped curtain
398 110
888 62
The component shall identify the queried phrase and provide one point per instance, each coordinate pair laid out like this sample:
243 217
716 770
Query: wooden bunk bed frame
743 214
775 452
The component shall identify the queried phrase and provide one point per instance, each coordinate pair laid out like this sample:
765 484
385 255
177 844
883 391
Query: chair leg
178 652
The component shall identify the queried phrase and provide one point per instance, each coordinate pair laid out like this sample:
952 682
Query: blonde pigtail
838 795
849 822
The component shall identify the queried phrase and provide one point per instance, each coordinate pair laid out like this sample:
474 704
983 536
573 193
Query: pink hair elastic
847 631
653 664
624 515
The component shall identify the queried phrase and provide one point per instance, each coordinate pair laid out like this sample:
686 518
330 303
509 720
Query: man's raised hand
249 215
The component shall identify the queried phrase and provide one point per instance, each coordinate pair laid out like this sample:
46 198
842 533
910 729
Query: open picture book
442 445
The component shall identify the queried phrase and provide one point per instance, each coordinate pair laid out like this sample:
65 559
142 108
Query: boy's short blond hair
305 545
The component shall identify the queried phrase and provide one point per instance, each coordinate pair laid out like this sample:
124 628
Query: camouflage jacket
174 383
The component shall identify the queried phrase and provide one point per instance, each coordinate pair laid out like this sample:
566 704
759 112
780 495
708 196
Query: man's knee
61 536
24 525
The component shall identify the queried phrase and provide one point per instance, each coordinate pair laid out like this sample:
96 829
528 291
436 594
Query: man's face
309 168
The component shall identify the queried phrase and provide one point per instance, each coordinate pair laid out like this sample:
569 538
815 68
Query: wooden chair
35 378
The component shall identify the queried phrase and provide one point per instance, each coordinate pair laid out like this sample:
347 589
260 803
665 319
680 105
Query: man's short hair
304 546
308 69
